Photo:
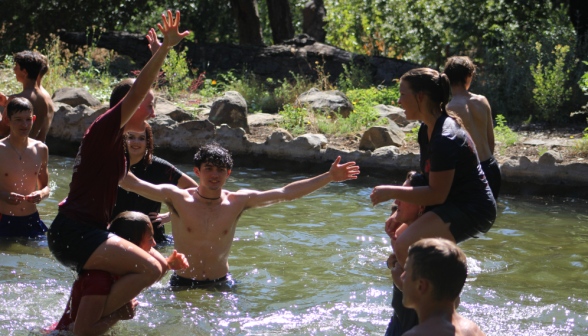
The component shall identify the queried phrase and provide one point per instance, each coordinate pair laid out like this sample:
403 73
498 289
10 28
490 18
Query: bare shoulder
38 144
469 328
479 99
242 193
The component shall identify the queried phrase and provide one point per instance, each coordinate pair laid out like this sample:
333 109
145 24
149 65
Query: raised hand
177 261
158 219
342 172
392 226
171 35
154 43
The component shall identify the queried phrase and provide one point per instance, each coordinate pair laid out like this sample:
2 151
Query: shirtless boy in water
29 68
474 110
435 272
204 219
23 167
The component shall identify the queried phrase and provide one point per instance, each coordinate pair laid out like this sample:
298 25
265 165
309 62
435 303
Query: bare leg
137 269
428 225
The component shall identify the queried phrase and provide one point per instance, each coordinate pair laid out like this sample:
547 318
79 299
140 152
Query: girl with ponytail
459 202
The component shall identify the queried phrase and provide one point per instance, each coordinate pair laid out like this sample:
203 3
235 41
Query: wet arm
158 193
43 177
435 193
41 113
338 172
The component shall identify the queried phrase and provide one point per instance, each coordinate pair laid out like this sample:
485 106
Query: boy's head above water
29 63
213 154
134 227
459 69
18 105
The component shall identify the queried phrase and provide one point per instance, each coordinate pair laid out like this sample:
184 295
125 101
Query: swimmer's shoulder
469 328
38 144
479 101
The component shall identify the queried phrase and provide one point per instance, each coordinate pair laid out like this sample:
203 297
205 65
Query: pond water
316 266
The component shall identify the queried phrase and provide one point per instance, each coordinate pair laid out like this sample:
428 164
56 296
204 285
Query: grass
503 133
581 145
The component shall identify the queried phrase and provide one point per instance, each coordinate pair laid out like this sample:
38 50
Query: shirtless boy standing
29 68
204 219
435 272
474 110
23 167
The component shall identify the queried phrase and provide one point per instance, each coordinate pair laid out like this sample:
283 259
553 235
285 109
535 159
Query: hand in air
127 312
177 261
154 43
158 219
34 197
171 35
13 198
380 194
342 172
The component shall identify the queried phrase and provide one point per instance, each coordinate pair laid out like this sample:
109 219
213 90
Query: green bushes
551 92
503 134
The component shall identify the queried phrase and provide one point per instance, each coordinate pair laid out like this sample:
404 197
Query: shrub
503 133
581 146
550 92
176 72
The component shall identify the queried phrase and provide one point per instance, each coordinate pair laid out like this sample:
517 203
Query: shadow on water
317 266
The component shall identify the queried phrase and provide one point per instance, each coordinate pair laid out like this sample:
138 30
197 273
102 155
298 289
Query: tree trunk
314 14
280 18
247 17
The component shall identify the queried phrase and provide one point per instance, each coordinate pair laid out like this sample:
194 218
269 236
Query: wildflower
316 62
213 82
571 136
308 122
328 117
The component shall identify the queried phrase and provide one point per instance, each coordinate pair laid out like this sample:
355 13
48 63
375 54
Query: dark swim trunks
73 243
22 226
178 281
493 175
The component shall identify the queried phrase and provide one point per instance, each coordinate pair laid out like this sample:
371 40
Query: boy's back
474 111
459 326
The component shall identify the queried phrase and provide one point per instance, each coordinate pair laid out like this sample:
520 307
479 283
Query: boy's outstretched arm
155 192
337 173
150 72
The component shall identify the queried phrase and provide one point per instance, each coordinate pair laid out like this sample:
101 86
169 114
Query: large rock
393 113
263 119
165 107
230 109
551 157
71 123
279 136
379 136
310 141
326 101
74 97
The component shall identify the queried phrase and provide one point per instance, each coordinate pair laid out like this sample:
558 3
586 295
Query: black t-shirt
451 147
158 172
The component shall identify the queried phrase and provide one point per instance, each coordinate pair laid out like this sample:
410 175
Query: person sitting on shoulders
78 238
476 115
204 219
147 167
403 215
83 314
24 176
29 68
435 273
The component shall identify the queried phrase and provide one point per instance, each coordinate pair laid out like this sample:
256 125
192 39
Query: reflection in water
317 266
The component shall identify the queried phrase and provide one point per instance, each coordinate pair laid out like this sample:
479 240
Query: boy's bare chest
19 168
207 220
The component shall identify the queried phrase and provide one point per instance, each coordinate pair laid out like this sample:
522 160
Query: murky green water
316 266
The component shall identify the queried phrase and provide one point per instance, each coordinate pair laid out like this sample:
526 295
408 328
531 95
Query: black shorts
466 221
22 226
179 281
73 243
493 175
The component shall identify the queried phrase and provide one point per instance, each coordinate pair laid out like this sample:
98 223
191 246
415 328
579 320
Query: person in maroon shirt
77 237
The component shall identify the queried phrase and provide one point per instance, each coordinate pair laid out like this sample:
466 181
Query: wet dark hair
416 179
131 225
436 86
441 262
120 91
148 157
214 154
458 69
31 61
16 105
